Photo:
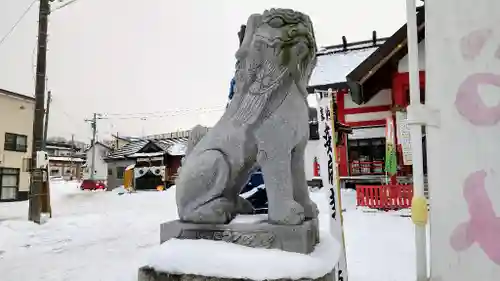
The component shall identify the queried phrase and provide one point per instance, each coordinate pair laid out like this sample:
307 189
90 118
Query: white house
16 130
100 166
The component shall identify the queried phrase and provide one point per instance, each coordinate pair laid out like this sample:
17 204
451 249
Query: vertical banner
330 177
404 137
462 61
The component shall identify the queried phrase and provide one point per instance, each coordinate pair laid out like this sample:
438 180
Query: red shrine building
371 82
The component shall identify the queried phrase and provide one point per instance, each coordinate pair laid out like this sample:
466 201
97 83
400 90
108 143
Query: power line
33 64
17 23
75 123
113 119
175 112
63 5
148 116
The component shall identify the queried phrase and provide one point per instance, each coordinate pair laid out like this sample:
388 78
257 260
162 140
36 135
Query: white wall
101 167
367 116
463 38
381 98
312 150
403 63
367 133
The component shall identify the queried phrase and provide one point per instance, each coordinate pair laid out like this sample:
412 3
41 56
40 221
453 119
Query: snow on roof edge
335 62
333 67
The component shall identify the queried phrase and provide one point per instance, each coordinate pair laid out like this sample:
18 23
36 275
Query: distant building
65 160
155 161
16 130
118 142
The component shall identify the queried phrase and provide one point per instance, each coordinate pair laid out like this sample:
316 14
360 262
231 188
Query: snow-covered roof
66 159
166 145
128 149
57 147
173 135
98 143
177 149
334 65
146 154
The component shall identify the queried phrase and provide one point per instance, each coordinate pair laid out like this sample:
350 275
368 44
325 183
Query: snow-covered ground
105 236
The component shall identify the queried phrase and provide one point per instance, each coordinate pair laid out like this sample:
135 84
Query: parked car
92 185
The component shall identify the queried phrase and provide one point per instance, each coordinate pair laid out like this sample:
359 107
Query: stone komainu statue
265 125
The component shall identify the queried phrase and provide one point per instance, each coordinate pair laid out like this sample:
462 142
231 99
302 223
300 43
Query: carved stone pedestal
291 238
149 274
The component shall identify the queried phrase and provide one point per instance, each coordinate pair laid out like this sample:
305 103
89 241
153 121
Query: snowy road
103 236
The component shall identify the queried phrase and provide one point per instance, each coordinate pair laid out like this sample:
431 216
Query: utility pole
93 123
72 155
47 112
45 197
142 127
117 140
36 184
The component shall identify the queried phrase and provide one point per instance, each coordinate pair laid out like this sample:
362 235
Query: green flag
391 164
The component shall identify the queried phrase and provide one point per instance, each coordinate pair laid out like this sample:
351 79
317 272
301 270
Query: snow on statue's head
281 39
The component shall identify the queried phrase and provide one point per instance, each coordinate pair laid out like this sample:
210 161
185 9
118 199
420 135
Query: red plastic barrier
387 197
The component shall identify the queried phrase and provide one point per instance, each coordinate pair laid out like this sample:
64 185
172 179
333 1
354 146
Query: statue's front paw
287 212
218 211
311 210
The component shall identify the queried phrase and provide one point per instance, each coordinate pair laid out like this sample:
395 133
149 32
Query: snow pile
221 259
249 219
225 260
252 191
120 190
91 235
64 189
102 236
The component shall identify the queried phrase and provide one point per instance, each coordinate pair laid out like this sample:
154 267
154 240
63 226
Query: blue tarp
231 89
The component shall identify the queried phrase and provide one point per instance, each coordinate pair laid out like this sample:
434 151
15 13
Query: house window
119 172
54 172
313 131
14 142
110 172
313 124
366 156
9 183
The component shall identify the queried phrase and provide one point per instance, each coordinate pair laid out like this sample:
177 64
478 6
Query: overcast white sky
156 57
